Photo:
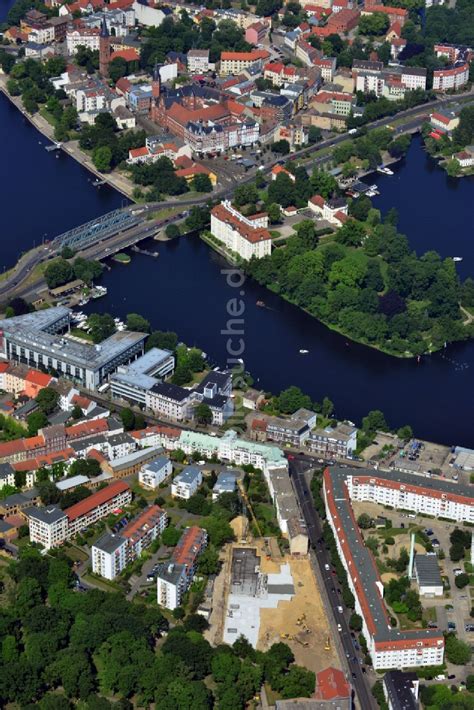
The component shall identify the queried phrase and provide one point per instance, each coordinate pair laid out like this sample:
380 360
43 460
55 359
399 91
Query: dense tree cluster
188 361
184 34
108 148
161 177
61 271
402 599
88 646
381 293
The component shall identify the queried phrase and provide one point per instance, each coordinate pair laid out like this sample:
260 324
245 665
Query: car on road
339 628
327 567
451 677
457 571
340 609
429 532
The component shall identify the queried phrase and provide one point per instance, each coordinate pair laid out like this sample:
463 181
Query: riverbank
116 181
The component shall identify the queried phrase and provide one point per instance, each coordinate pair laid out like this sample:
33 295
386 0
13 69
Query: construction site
269 597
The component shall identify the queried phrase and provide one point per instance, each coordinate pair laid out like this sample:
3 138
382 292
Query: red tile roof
146 518
38 378
400 11
317 200
4 366
331 684
130 54
103 496
439 117
245 56
252 235
97 426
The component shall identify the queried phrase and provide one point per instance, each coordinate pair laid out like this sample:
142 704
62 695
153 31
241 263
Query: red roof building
100 500
130 54
331 684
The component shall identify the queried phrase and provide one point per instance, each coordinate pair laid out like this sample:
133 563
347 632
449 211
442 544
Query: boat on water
384 170
457 258
261 304
304 352
98 292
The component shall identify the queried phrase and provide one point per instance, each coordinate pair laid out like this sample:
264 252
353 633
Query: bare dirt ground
289 621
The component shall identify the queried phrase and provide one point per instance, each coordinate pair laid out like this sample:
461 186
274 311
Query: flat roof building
428 576
40 340
401 690
226 483
131 382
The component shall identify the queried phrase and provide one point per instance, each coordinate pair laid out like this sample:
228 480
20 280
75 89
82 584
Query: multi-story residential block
198 61
235 62
119 445
337 102
99 505
170 585
256 32
109 555
453 77
169 400
82 37
388 647
191 544
327 65
226 483
153 473
91 100
288 431
48 526
333 442
246 236
401 689
444 121
394 14
186 483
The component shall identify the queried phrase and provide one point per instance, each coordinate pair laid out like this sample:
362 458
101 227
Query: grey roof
109 542
19 498
6 469
49 514
157 464
137 374
220 379
427 571
42 328
364 571
399 687
217 402
123 438
171 572
5 527
67 483
134 457
226 482
167 389
188 475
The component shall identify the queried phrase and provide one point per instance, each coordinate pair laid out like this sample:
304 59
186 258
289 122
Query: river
185 289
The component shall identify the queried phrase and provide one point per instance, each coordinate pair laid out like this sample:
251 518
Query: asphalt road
297 467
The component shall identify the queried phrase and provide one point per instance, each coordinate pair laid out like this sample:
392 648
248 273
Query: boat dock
98 183
55 146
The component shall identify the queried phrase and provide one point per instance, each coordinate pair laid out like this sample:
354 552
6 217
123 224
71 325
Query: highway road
298 466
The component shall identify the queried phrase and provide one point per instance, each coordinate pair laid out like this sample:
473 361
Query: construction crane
245 497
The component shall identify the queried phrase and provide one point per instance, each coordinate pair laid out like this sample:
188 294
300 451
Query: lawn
75 553
103 584
79 333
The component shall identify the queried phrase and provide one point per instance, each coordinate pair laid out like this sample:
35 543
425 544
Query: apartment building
170 585
99 505
453 77
132 382
48 526
76 37
109 555
198 61
169 400
333 442
236 62
333 210
175 577
192 542
245 236
226 483
389 648
186 483
152 474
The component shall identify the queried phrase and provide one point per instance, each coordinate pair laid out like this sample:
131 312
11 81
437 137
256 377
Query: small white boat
457 258
304 352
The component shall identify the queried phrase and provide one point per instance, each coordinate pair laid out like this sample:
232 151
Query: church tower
156 83
104 50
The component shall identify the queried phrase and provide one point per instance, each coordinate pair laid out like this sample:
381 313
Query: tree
456 552
172 231
203 413
377 23
47 399
102 158
48 493
355 622
374 421
128 418
137 323
101 326
245 195
170 536
457 651
405 432
208 562
292 399
117 68
282 147
182 374
453 167
298 682
364 521
161 339
360 208
274 213
314 134
461 580
323 183
36 420
282 190
327 407
58 272
202 183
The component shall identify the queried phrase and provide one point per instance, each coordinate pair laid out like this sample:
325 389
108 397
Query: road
298 466
11 285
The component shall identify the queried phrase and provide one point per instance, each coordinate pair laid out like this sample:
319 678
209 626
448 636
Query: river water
186 289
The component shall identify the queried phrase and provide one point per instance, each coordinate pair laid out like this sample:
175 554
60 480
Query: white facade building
198 61
85 37
451 78
186 483
246 236
48 526
155 472
170 585
109 555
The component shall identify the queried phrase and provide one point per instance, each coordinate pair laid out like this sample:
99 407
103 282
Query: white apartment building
337 442
246 236
154 473
90 100
388 647
119 445
85 37
198 61
414 78
169 400
170 585
48 526
186 483
109 555
98 506
451 78
41 34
